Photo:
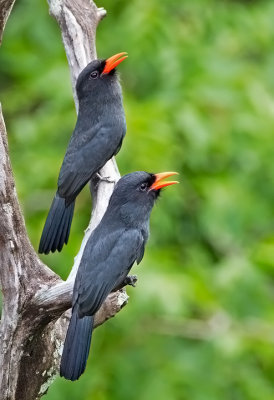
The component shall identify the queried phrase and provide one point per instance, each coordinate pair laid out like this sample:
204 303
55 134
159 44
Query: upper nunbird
97 136
113 247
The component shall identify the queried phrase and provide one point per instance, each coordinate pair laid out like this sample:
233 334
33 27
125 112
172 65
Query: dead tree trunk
35 299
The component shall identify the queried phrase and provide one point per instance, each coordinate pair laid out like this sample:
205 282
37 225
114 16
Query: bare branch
57 299
5 9
21 274
78 21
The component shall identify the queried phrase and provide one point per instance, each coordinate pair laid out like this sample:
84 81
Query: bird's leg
104 178
129 280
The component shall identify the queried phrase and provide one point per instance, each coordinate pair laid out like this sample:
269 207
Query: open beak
113 61
158 184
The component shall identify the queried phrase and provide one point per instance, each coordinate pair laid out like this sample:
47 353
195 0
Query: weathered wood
22 274
5 9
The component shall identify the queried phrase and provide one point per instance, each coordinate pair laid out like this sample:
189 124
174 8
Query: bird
113 247
97 136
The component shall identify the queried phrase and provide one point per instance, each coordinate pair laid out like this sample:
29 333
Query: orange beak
158 184
113 61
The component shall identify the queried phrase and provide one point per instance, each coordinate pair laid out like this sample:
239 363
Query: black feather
111 250
57 226
76 347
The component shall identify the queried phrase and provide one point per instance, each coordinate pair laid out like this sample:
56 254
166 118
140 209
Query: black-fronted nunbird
113 247
97 136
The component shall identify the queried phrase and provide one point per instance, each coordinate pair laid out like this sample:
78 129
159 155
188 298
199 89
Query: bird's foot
104 178
130 280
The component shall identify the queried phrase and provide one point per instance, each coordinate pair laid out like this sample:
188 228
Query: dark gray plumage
113 247
98 135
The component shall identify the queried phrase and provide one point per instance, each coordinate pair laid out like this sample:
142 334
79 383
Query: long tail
76 347
57 226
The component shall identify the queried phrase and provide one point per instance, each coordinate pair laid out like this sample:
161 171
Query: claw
104 178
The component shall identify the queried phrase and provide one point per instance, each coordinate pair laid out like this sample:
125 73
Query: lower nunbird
97 136
113 247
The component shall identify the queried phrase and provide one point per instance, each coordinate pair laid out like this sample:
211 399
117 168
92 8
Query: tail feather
76 347
57 240
66 237
57 226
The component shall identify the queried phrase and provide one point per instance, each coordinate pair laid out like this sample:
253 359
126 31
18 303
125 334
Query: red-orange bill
158 184
113 61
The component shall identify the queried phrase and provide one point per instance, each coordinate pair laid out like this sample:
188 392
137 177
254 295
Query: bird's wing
104 266
85 155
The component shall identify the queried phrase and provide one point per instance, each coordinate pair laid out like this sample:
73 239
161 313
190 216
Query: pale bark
5 9
33 323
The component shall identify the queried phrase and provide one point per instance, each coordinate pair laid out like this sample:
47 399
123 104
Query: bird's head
135 194
97 75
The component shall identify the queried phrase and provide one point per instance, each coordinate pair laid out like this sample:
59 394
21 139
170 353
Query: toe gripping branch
130 280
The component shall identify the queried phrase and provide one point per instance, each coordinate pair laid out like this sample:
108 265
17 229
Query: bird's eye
143 187
94 75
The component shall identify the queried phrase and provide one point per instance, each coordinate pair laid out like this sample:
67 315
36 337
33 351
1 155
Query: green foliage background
198 93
